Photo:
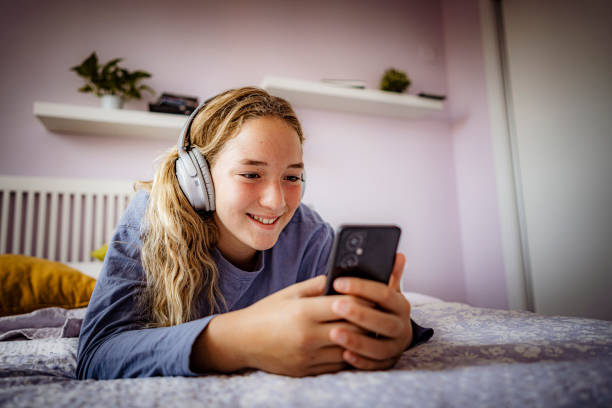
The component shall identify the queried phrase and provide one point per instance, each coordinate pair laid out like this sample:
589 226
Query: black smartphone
362 251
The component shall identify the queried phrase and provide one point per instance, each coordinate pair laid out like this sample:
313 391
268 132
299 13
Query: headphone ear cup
194 179
191 169
208 189
189 181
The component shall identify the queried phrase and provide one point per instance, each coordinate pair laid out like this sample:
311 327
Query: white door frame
507 175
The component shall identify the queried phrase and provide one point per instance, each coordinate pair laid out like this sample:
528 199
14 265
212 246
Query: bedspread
478 357
50 322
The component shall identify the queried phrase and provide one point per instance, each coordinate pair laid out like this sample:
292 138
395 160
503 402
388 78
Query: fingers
387 297
398 269
368 318
319 335
365 346
319 309
364 363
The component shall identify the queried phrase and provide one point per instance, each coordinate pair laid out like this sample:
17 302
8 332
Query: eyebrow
250 162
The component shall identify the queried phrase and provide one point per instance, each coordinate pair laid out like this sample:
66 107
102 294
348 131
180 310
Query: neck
236 252
246 262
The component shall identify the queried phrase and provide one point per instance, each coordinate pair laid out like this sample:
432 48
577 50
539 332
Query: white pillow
417 299
92 269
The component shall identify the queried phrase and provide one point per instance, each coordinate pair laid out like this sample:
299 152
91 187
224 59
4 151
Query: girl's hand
287 333
390 321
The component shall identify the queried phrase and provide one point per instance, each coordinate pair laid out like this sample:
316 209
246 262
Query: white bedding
88 268
477 358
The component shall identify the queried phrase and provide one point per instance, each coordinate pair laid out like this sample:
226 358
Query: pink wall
474 166
360 168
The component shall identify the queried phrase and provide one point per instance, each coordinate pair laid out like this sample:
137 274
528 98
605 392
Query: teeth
264 220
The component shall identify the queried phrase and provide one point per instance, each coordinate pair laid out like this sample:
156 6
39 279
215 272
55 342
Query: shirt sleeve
113 342
419 334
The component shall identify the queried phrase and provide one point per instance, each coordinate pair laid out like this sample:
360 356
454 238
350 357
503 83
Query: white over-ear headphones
193 173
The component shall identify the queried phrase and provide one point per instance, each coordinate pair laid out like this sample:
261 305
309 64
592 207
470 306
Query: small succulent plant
394 81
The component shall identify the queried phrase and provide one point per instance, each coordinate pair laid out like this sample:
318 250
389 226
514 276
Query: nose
273 196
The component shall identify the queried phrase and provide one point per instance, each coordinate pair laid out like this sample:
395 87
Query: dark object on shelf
432 96
171 103
156 107
394 81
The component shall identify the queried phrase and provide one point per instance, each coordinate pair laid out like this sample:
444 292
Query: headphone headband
192 170
186 128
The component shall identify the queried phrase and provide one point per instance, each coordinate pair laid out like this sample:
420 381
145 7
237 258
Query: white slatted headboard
59 219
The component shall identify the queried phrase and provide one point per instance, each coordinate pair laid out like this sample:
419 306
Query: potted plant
111 82
394 80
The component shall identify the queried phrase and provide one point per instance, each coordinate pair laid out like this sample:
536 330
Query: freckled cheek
238 197
293 196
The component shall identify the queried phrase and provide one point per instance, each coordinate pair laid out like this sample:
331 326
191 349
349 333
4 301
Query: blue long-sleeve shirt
114 343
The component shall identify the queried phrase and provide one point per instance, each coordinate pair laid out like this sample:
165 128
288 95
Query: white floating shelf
319 95
84 120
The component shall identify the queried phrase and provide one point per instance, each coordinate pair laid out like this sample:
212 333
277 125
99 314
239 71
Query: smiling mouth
265 221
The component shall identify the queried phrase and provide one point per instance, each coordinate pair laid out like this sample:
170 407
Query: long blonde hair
177 241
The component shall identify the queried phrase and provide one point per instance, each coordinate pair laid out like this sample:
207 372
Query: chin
261 240
263 244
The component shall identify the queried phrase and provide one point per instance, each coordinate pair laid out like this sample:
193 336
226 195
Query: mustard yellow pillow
100 253
28 283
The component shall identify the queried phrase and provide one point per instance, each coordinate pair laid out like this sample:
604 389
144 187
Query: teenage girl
216 266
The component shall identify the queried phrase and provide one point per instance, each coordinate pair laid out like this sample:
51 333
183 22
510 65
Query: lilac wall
360 168
474 165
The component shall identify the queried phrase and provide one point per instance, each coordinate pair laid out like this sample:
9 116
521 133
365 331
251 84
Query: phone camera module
349 261
355 240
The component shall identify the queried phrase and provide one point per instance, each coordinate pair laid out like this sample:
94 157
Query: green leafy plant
394 81
111 79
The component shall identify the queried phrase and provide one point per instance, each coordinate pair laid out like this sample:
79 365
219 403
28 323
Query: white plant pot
112 101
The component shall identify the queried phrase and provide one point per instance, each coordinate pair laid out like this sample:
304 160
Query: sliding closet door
559 62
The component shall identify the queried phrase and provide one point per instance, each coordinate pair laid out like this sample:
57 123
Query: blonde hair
177 241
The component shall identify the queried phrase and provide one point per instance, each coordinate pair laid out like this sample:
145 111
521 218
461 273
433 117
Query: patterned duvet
477 357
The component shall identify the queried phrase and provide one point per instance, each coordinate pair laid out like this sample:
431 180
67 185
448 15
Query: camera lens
349 261
355 240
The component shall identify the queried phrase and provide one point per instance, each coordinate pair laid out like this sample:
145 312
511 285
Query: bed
477 357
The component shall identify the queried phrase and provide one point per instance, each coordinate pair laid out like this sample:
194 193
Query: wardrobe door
559 62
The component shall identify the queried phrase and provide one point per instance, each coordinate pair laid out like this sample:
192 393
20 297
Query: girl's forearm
219 347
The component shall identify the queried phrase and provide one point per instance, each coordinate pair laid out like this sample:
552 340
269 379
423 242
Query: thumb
307 288
398 270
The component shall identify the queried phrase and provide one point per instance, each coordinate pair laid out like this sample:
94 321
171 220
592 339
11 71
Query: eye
293 179
250 176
